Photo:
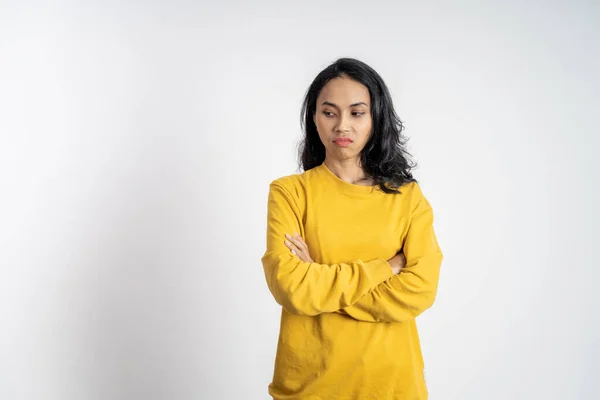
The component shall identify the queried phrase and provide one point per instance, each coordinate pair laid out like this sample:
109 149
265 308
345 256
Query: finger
297 241
300 239
303 246
300 242
292 246
298 247
297 252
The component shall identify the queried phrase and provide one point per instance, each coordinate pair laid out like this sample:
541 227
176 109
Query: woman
351 255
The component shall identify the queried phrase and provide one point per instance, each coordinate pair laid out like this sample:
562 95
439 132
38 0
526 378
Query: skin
343 110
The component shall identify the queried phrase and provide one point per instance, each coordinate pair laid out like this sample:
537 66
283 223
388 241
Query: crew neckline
348 187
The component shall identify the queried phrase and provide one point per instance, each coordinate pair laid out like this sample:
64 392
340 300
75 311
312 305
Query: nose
343 124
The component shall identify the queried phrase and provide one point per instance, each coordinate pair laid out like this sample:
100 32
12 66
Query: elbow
427 288
415 311
287 291
293 300
427 300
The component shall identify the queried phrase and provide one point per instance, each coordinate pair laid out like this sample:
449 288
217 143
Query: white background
137 142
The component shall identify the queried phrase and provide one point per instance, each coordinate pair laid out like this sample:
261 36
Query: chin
345 154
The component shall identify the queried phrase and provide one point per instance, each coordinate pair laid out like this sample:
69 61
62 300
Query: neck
348 170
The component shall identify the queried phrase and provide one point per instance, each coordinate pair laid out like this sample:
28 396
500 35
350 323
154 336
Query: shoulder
294 185
415 196
419 203
411 190
291 191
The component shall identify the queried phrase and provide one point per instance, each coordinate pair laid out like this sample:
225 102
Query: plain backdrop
138 139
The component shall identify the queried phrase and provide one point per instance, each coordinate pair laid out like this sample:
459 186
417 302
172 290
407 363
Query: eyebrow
328 103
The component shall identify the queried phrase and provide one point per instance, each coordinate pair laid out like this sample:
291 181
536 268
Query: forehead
343 92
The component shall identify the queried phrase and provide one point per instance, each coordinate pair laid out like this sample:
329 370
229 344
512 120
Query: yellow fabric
348 326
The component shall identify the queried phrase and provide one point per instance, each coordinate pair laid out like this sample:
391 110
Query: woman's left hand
298 247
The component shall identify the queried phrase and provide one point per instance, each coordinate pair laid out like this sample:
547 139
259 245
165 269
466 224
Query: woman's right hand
397 262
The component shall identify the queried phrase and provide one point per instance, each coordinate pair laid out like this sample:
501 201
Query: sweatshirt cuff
381 270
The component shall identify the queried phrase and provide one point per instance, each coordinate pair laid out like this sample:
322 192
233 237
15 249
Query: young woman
351 255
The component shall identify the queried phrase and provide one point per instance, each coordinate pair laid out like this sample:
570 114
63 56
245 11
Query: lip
343 141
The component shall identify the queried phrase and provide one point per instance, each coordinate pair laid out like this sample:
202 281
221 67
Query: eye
359 113
327 113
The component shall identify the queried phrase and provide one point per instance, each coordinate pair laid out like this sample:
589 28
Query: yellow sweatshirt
348 324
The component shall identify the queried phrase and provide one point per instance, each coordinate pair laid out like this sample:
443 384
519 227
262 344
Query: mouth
343 141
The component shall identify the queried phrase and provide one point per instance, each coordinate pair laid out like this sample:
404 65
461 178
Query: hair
384 156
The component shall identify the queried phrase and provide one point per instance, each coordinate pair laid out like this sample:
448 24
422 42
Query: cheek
323 125
320 121
365 129
321 129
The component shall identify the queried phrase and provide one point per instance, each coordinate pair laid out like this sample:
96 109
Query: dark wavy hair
384 157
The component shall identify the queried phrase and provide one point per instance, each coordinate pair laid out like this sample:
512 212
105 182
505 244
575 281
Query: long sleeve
406 295
310 288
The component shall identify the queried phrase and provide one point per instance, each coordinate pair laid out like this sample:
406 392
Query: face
343 118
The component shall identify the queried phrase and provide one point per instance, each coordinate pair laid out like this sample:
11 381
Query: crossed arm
371 291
